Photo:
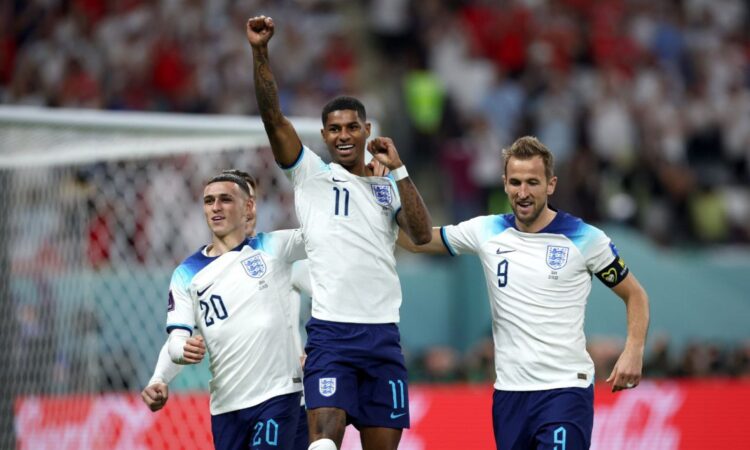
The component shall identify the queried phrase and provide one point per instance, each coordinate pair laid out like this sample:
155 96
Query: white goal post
98 208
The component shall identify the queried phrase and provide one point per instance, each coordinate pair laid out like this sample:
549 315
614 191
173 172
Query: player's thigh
330 375
384 395
565 419
231 430
562 436
302 435
378 438
276 423
510 419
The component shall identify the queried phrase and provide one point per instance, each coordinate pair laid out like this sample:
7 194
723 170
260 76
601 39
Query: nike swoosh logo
204 290
396 416
500 252
338 181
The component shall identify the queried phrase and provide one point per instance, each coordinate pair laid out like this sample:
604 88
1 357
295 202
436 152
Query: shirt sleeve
301 277
603 259
396 201
308 164
165 369
180 311
463 238
288 245
599 250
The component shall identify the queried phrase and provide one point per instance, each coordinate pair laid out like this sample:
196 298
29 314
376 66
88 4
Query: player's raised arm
628 369
285 143
413 218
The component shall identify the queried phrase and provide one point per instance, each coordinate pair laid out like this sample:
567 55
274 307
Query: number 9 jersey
538 285
239 303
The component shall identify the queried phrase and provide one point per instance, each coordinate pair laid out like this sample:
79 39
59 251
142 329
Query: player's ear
368 128
505 184
249 208
551 184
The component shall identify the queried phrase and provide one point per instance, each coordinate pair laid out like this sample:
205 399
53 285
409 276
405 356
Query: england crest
254 266
327 386
383 194
557 257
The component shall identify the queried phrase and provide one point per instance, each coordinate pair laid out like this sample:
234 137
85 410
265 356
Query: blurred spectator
646 104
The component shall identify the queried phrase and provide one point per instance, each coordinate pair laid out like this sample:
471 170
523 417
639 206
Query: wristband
400 173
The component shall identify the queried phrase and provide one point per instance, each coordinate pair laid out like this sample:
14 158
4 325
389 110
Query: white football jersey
240 303
350 231
538 285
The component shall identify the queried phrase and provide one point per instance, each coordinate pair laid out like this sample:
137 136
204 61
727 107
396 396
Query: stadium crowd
645 104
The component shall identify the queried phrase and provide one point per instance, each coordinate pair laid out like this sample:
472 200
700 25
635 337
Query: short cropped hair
526 148
245 176
232 178
341 103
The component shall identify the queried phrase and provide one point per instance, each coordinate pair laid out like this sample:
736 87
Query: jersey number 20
216 310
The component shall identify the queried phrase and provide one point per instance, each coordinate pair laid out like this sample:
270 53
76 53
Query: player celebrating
235 291
538 264
354 370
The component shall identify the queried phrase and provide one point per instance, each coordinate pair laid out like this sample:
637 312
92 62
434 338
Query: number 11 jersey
350 230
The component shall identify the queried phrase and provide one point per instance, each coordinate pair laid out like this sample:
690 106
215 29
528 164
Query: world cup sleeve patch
254 266
170 302
383 194
614 273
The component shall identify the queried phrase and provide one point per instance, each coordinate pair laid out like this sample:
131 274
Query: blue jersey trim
296 161
395 216
181 326
564 224
444 238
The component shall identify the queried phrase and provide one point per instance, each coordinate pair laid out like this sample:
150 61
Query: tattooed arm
285 143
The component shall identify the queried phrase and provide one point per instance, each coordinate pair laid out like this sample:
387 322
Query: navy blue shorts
270 425
358 368
555 419
302 436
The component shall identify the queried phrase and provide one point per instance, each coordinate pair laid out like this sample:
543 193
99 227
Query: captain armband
614 273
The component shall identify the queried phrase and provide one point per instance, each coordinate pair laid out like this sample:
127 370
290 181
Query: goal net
99 207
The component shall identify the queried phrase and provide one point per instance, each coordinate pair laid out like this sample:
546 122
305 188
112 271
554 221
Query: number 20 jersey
350 231
538 285
239 302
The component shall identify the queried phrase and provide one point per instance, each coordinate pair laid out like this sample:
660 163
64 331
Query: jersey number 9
502 273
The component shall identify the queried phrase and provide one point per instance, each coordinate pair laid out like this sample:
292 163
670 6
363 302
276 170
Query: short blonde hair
526 148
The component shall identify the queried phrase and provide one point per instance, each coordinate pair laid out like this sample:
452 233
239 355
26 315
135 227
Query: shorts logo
383 194
557 257
254 266
327 386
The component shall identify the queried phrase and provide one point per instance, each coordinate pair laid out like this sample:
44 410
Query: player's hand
155 396
377 169
194 350
627 371
384 151
259 30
